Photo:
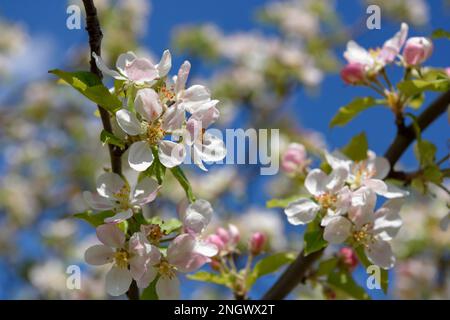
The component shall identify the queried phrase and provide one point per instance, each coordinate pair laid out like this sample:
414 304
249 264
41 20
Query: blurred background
273 64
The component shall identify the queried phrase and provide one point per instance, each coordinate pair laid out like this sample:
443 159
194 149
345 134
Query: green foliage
440 33
269 265
95 219
157 169
184 182
347 113
343 281
366 263
108 138
357 148
425 152
89 85
414 87
326 267
221 279
282 203
168 226
313 237
149 293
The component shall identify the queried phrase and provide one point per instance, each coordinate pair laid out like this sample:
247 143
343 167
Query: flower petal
376 185
145 191
388 221
147 104
381 166
183 74
206 249
140 156
120 216
194 97
168 288
110 235
337 230
393 192
124 60
173 118
140 70
97 202
211 148
128 122
197 216
380 253
301 211
336 179
118 281
103 68
171 154
164 64
99 255
147 277
109 183
315 182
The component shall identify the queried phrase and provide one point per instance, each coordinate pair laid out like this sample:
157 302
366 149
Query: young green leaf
357 148
313 237
440 33
326 267
425 152
282 203
89 85
149 293
347 113
184 182
413 87
157 169
108 138
343 281
204 276
269 265
95 219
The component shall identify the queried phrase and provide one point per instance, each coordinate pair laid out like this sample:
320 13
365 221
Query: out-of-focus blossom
353 73
417 50
415 12
348 257
257 243
295 158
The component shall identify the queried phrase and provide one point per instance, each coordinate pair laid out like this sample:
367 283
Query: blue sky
45 21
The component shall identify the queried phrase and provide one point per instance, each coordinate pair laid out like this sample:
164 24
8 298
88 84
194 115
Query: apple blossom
353 73
195 216
417 50
257 242
129 261
114 193
134 70
226 240
295 158
348 257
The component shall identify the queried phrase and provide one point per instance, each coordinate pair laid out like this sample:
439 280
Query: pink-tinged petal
171 154
141 70
173 118
147 104
140 156
337 230
391 47
336 180
99 255
118 281
194 97
194 129
168 289
380 253
138 266
387 219
361 215
164 64
120 216
234 233
211 148
97 202
315 182
125 60
344 200
301 211
128 122
147 277
207 113
357 54
206 249
145 191
181 253
109 183
110 235
183 74
104 69
197 216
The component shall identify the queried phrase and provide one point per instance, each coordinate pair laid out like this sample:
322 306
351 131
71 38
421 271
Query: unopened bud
294 158
348 258
257 242
417 50
217 241
353 73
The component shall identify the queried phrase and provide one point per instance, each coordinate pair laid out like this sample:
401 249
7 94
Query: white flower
154 125
195 216
129 262
136 70
368 173
113 193
372 230
329 192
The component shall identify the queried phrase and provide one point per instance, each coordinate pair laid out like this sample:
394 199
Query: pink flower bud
417 50
353 73
447 71
257 242
217 241
223 234
348 258
294 158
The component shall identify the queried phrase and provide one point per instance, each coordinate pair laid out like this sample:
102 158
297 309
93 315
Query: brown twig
95 41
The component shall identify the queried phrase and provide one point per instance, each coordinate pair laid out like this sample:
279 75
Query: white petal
103 68
337 160
336 179
207 113
173 118
97 202
376 185
301 211
357 54
148 276
171 154
315 182
145 191
118 281
380 253
99 255
119 217
124 60
147 104
183 74
194 97
206 249
388 221
168 289
197 216
364 197
110 235
211 148
381 167
109 183
128 122
337 230
140 156
164 64
394 192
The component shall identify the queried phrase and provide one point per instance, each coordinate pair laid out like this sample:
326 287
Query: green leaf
89 85
94 219
357 148
433 174
366 263
171 225
416 101
149 293
313 237
326 267
157 169
347 113
344 281
282 203
269 265
108 138
425 152
204 276
440 33
184 182
413 87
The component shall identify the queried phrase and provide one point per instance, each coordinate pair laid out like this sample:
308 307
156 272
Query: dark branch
297 271
95 41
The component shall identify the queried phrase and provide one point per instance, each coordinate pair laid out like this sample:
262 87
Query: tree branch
95 40
296 272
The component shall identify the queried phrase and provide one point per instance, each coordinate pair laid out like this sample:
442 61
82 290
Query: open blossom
295 158
195 216
114 193
375 60
136 70
369 229
329 192
129 261
368 173
417 50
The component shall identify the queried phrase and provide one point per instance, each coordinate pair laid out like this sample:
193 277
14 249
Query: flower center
121 259
166 270
154 133
363 235
327 200
154 233
122 197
